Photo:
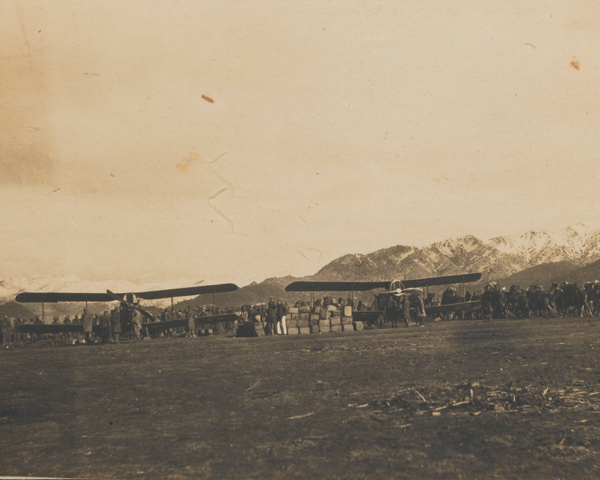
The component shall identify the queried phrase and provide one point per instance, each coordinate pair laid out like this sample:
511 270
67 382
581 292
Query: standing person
87 320
271 316
421 314
406 309
68 336
6 330
115 324
36 337
105 325
3 328
191 322
281 313
136 320
284 315
392 311
16 335
77 336
125 316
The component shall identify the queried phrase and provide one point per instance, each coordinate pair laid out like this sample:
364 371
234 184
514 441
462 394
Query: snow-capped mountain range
496 258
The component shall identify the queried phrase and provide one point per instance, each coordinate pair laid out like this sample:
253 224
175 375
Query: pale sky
335 127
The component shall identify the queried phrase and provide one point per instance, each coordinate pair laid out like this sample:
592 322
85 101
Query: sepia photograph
299 240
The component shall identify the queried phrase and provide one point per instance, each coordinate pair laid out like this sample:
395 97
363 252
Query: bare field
462 399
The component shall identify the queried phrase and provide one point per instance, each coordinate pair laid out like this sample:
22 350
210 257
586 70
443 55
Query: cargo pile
303 320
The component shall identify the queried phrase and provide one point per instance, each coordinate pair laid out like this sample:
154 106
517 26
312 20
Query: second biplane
397 288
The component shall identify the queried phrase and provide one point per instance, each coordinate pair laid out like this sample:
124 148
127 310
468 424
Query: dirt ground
460 399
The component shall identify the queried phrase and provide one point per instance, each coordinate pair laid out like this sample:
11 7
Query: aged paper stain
184 165
575 63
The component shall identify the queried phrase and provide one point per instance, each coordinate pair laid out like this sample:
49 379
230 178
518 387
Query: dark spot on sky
208 99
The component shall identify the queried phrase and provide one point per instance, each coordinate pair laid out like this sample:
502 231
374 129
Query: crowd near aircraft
130 303
396 288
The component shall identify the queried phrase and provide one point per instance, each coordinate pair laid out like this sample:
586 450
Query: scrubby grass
463 399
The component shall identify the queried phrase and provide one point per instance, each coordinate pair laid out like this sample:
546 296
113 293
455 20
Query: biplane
129 303
397 288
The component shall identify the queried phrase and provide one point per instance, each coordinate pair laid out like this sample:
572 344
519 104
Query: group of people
108 328
271 317
564 299
402 309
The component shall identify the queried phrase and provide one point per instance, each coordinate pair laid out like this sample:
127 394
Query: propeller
146 314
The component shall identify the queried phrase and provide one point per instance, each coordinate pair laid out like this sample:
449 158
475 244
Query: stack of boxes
292 321
313 321
303 320
347 320
335 317
300 320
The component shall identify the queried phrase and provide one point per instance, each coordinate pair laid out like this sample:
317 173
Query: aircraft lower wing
453 307
55 329
364 286
182 322
54 297
198 321
228 317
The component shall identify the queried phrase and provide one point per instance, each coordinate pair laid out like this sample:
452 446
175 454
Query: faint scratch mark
22 27
208 99
305 257
302 218
531 45
221 214
575 63
37 129
158 208
210 166
53 191
92 74
316 250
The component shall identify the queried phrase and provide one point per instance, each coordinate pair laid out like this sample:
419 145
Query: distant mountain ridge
565 251
497 258
559 254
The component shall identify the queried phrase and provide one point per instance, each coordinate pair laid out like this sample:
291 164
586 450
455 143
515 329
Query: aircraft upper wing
363 286
187 292
334 286
447 280
54 297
